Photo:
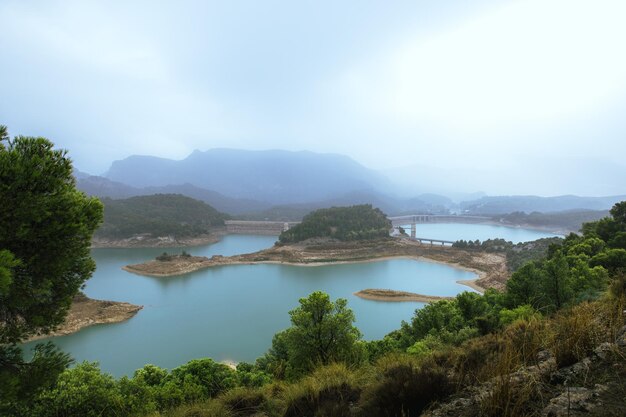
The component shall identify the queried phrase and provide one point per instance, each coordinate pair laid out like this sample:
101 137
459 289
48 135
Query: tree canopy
322 332
46 226
158 215
358 222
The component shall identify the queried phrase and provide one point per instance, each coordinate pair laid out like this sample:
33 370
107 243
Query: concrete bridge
414 219
433 241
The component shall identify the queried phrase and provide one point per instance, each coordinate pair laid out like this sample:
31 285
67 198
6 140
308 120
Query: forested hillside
344 223
158 215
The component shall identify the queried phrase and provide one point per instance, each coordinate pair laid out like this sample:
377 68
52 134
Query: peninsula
490 267
86 312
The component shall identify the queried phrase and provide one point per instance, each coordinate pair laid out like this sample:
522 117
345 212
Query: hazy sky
525 96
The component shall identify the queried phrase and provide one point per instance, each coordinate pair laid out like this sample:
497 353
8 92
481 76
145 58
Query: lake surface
232 312
458 231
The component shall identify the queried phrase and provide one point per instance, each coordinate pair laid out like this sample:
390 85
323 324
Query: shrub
164 257
82 391
210 408
523 312
200 379
404 388
576 332
330 392
527 338
469 360
244 401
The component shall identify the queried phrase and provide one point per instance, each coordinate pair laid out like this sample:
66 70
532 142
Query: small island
392 295
336 235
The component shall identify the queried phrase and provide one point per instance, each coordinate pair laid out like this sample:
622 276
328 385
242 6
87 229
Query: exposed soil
490 267
88 312
147 241
392 295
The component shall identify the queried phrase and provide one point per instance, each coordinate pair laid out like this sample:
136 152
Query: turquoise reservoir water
457 231
232 312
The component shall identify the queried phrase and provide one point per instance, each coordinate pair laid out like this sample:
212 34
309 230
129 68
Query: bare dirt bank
392 295
88 312
490 267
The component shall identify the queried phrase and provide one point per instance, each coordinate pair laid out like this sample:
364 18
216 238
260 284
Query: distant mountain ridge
279 177
105 188
529 204
285 185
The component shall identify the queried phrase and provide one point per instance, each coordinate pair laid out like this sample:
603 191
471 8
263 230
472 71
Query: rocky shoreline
490 267
86 312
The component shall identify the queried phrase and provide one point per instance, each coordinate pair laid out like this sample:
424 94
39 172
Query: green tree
46 226
522 288
433 319
613 260
81 391
555 282
203 378
619 213
322 332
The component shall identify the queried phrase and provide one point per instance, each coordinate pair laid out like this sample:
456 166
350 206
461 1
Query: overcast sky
508 97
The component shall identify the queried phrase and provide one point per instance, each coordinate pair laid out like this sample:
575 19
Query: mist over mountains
284 185
280 177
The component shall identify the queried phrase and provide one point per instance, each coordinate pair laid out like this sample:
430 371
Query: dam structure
414 219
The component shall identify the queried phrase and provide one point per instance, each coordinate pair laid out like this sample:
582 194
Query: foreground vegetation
158 215
360 222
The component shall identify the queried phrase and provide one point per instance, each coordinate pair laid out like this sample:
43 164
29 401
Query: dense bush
359 222
330 391
404 389
82 391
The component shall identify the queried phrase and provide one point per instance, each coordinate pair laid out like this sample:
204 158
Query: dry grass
513 390
575 332
330 391
211 408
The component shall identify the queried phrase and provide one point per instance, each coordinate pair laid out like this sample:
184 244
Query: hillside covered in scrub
157 215
358 222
